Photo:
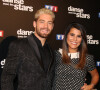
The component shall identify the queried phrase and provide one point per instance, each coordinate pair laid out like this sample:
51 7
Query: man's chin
44 36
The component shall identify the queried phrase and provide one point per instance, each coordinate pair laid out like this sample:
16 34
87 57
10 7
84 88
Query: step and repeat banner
17 16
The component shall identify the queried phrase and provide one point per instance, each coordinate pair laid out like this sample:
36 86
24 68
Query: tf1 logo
53 8
59 37
98 63
99 14
1 33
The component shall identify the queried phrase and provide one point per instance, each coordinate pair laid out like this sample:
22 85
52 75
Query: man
30 60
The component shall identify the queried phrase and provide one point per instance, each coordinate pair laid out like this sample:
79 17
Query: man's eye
49 22
41 22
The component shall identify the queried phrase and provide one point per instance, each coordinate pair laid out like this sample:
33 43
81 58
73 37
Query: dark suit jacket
24 60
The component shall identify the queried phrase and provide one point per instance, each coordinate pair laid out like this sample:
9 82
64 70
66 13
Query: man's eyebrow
41 20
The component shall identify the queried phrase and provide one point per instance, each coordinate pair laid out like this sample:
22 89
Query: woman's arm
95 77
94 80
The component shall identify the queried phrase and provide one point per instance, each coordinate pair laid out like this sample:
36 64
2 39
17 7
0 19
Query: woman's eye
79 36
72 34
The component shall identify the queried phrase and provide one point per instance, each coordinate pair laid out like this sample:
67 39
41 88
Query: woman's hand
87 87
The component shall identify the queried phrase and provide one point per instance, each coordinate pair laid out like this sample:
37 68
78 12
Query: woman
73 62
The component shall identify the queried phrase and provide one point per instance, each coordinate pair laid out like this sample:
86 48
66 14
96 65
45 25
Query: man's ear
34 24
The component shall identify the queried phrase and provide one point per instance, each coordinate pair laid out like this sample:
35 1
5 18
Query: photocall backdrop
16 19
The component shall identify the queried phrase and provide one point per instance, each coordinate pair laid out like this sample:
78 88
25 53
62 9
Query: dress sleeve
9 70
90 63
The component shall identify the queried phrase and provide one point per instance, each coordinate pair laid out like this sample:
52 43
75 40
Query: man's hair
44 11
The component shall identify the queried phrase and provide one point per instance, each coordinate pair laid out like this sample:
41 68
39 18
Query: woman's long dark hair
82 48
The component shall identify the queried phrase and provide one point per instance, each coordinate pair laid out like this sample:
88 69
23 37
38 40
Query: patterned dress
69 78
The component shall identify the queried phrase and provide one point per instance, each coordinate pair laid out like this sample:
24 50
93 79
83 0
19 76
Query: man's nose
46 25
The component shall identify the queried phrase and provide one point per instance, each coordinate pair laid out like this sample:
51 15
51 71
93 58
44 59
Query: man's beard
43 35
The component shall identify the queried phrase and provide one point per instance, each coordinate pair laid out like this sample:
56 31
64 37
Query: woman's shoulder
90 62
58 52
89 56
58 55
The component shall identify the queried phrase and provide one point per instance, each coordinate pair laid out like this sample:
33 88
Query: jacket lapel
52 58
35 49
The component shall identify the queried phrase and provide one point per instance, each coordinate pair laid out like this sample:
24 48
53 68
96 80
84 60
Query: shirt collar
39 42
72 55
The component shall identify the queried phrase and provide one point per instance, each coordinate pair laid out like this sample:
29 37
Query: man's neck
41 39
